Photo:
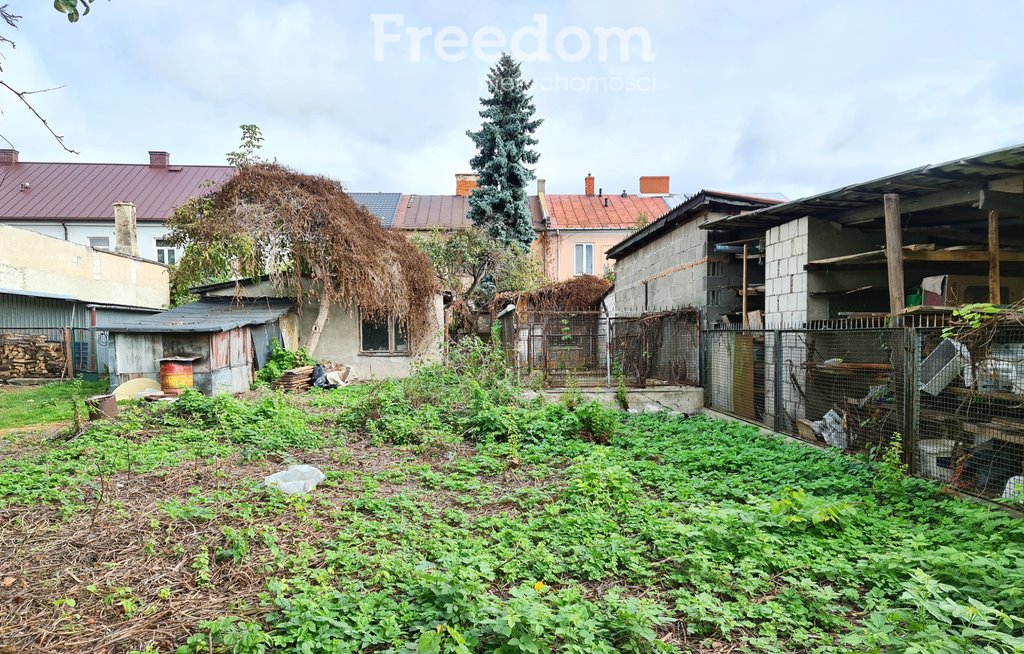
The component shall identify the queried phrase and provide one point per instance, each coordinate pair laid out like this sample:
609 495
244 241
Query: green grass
44 404
456 518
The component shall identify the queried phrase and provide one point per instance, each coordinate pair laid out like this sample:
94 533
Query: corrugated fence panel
26 312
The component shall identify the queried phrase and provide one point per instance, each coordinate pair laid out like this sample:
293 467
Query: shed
231 338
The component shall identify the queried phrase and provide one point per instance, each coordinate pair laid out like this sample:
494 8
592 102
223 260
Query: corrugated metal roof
860 203
444 212
382 205
81 191
590 212
698 203
208 316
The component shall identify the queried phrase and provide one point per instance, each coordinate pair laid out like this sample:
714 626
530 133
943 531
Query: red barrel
175 375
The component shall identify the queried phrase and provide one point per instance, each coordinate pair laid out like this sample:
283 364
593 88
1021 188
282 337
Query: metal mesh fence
959 406
969 411
559 346
657 349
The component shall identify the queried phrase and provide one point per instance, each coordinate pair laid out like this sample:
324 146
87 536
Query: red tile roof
442 211
589 212
74 191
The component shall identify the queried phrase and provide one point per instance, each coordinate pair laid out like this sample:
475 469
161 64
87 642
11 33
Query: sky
788 96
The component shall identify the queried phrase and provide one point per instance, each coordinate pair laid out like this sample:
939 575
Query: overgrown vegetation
458 516
310 238
280 361
38 405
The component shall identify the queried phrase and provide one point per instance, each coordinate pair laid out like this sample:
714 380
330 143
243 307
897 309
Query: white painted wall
79 232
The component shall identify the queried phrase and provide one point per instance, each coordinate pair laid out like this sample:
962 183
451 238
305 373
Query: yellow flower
539 586
440 628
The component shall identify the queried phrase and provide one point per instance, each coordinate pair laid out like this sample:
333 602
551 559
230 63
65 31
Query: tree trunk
318 325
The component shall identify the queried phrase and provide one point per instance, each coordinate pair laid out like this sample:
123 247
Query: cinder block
801 227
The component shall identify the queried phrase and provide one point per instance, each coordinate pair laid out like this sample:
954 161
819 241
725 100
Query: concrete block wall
785 278
682 251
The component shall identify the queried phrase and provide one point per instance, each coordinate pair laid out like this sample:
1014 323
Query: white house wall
79 232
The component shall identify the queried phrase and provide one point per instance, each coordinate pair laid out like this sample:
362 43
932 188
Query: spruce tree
498 204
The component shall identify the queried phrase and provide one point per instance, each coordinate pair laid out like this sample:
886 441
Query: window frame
576 259
157 248
105 248
394 330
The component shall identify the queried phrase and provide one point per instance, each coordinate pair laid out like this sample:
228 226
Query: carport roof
953 183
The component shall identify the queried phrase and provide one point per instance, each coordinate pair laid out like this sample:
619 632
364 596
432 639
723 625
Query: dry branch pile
583 293
23 355
269 219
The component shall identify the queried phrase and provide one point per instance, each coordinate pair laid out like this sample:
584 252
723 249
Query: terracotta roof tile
590 212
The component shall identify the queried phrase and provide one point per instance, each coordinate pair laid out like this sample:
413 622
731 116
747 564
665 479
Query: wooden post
894 252
994 295
744 290
69 347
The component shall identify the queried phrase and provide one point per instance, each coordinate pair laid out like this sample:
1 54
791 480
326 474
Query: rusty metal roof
83 191
590 212
443 212
208 316
956 182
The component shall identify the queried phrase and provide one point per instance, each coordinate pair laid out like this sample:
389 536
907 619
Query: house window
584 258
166 253
389 336
99 242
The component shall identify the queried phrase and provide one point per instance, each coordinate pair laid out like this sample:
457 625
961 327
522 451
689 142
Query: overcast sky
787 96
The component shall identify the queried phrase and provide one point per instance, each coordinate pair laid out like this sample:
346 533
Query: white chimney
126 236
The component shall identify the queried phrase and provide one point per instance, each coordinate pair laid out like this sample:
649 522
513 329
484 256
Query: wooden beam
1005 203
993 258
927 202
744 293
914 256
894 252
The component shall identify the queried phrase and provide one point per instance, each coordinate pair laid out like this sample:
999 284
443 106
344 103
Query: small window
584 258
99 242
166 253
389 336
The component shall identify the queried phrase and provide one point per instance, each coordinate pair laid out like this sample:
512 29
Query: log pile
29 355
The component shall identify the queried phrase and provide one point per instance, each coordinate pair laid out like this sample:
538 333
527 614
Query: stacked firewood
25 355
296 380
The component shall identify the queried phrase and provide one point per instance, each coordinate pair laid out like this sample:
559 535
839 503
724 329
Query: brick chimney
159 159
126 239
8 157
465 183
588 184
654 185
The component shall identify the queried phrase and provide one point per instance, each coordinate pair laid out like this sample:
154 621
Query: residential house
420 213
577 231
72 201
673 263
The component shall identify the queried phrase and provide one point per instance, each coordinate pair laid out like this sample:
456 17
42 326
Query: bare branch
22 96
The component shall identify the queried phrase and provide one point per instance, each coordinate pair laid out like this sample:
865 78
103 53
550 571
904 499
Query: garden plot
455 517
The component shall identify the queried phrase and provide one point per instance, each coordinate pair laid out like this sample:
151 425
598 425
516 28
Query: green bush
281 361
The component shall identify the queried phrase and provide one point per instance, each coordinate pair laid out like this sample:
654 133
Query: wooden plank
934 256
894 252
743 377
1010 204
994 296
